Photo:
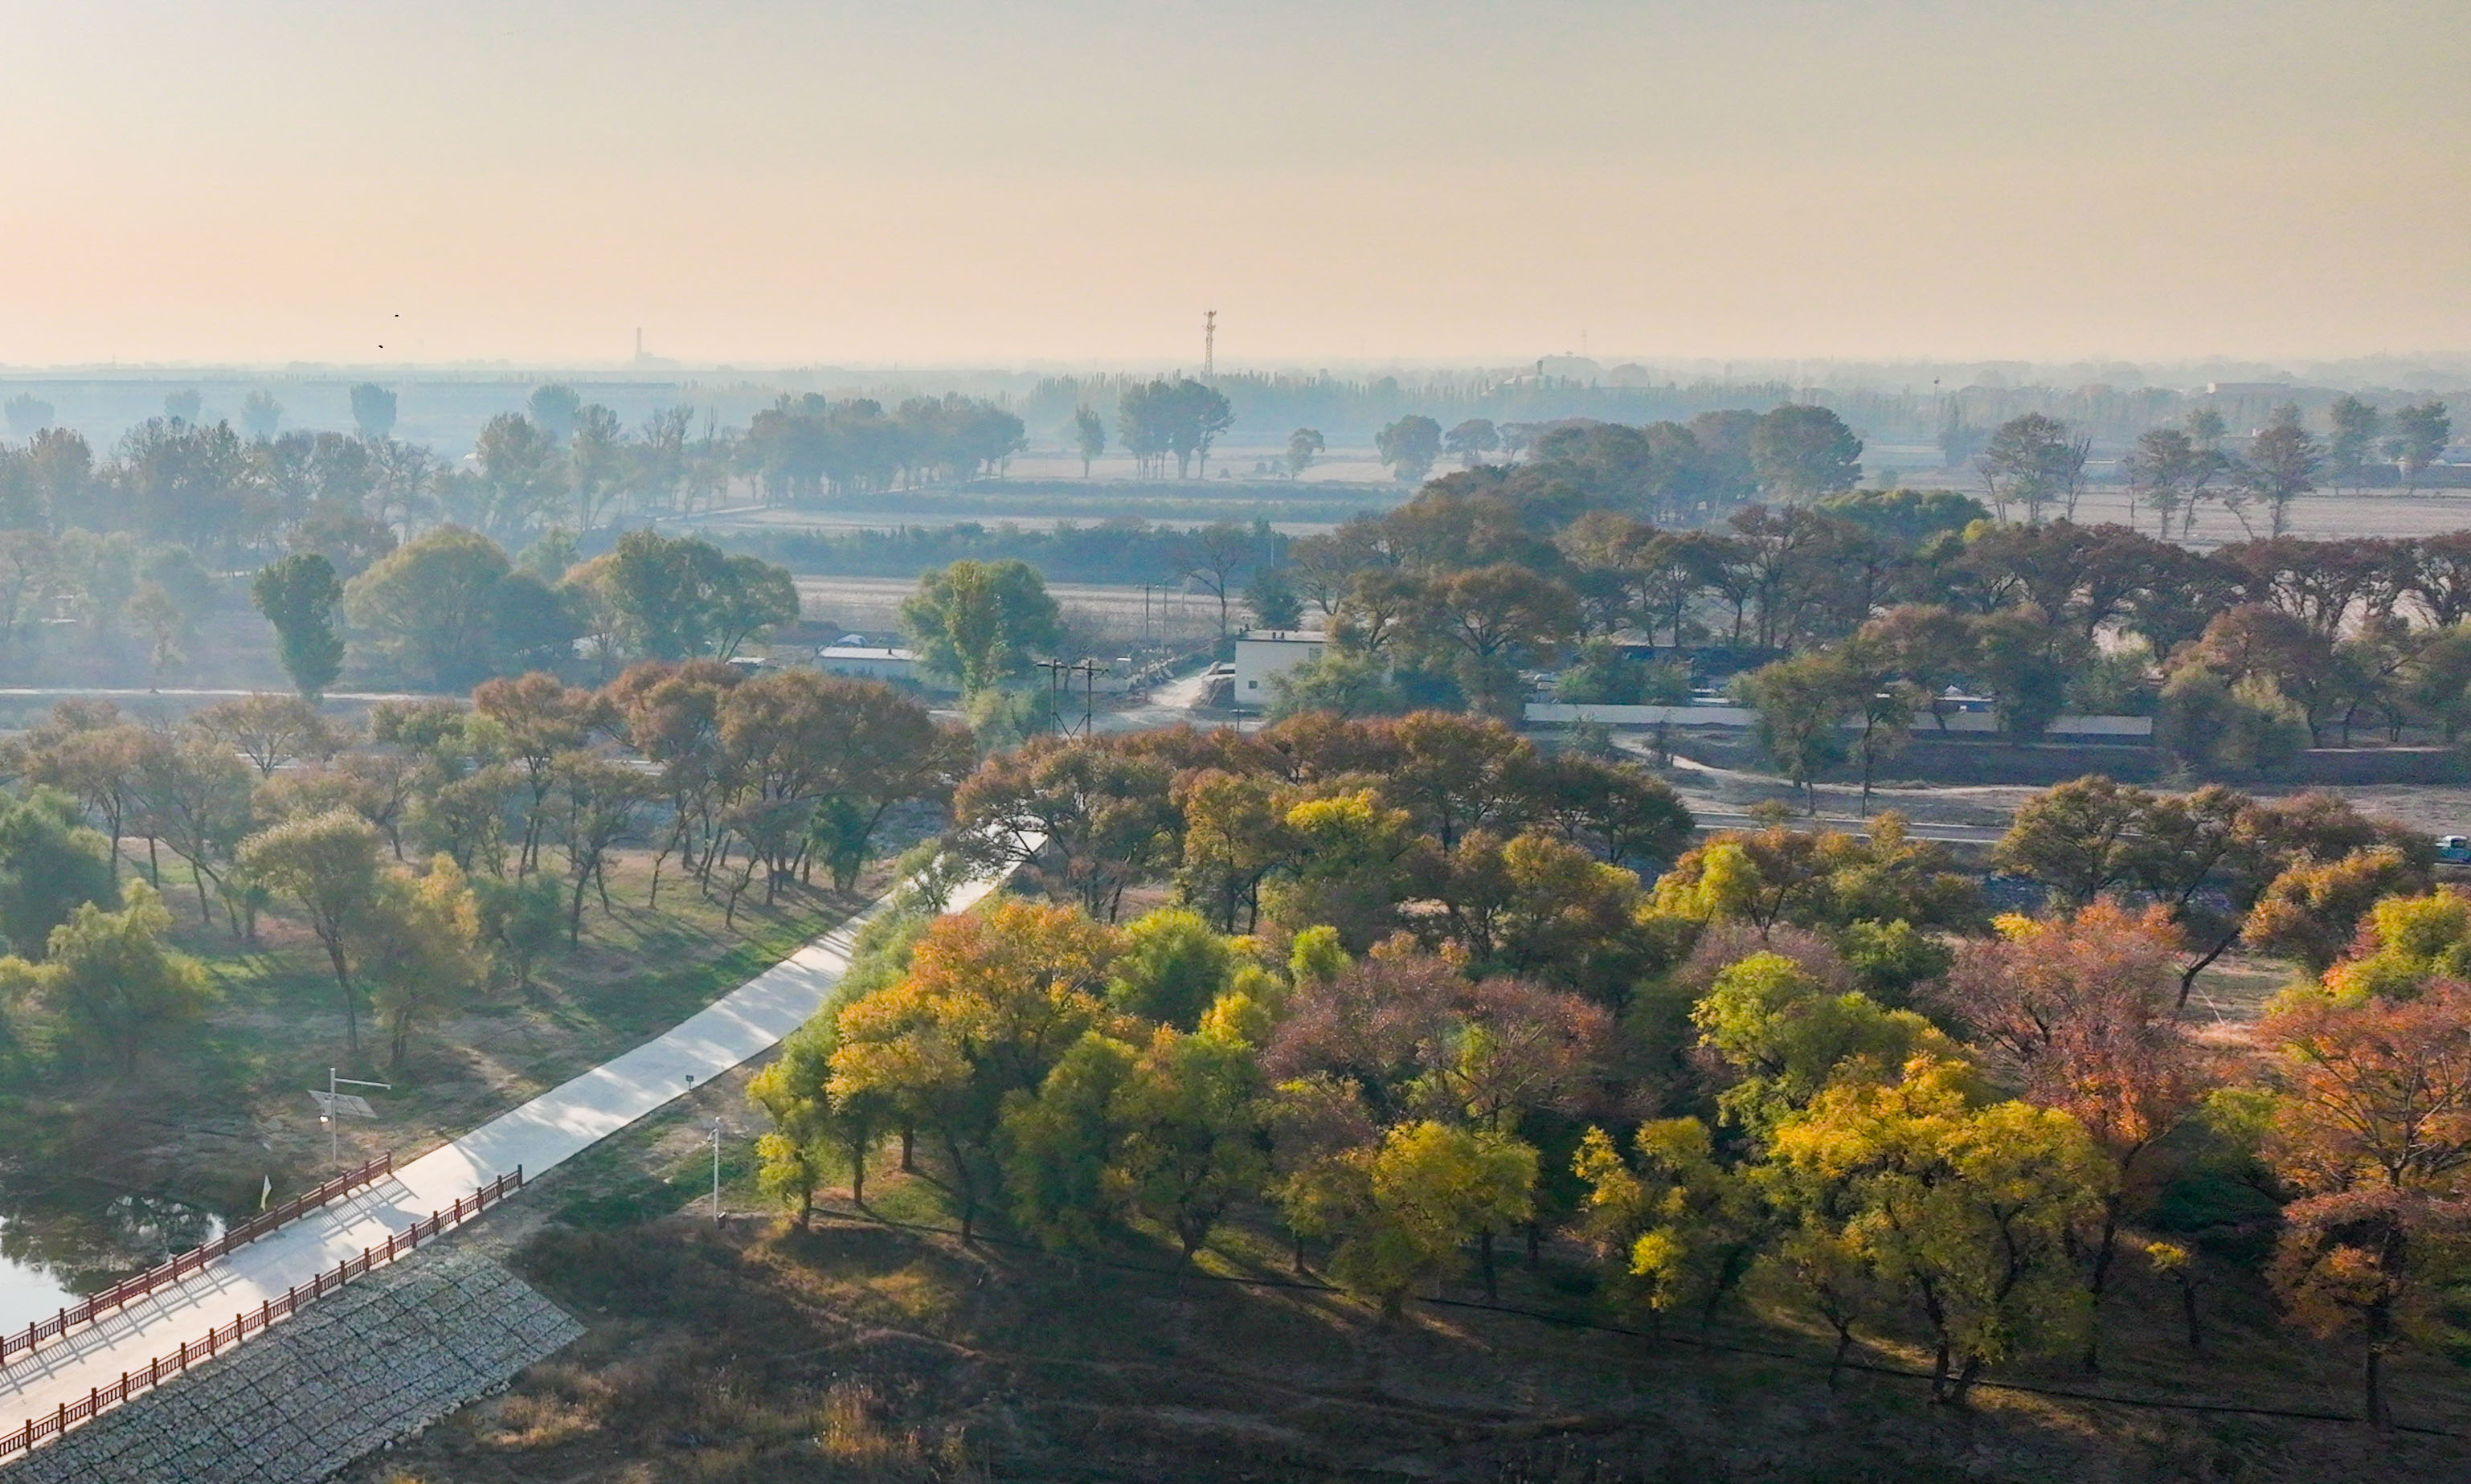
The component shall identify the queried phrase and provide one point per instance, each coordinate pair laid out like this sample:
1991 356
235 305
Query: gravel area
384 1358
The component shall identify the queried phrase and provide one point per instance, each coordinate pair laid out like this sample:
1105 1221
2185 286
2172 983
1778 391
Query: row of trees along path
539 1136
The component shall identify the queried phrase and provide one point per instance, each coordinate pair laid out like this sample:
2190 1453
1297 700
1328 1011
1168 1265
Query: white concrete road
542 1133
1712 814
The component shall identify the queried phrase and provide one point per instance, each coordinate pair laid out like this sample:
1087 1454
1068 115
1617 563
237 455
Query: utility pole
1059 685
716 1171
1210 344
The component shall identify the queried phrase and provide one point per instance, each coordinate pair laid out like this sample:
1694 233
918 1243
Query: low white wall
1924 725
1644 716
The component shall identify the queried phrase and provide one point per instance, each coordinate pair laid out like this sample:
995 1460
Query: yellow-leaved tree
1961 1213
418 949
1405 1209
992 1001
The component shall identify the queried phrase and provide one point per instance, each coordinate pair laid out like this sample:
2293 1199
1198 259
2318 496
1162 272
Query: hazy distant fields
872 605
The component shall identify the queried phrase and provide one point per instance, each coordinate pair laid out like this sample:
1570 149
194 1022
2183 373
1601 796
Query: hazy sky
933 181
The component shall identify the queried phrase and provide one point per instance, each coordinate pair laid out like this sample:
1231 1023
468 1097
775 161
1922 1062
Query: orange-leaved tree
2375 1124
2084 1010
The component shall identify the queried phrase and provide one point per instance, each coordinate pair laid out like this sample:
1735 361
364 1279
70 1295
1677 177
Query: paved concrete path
551 1128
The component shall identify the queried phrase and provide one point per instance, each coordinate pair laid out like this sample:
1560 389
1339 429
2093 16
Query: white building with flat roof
867 661
1264 654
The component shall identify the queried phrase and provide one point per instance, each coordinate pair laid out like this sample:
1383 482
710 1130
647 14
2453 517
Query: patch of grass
225 1103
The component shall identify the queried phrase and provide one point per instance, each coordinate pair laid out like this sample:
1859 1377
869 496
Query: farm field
872 605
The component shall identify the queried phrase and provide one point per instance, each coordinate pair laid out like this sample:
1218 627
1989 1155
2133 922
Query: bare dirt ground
869 1349
2324 514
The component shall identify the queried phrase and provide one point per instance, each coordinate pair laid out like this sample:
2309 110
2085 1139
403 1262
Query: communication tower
1208 344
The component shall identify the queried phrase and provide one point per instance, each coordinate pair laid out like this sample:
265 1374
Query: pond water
81 1237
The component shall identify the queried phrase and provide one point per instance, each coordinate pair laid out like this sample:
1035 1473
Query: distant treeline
1266 407
1130 551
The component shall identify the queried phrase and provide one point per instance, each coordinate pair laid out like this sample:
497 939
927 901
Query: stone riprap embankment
384 1358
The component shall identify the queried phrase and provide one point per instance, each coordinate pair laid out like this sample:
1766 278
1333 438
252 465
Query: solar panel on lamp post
334 1102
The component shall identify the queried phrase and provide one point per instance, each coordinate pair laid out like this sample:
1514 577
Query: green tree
982 622
49 866
535 720
1338 682
110 977
1173 968
522 480
2079 839
679 599
1907 517
2035 461
520 919
598 802
597 454
154 612
1189 1132
1089 437
419 950
1409 446
2170 469
197 798
1184 418
1060 1145
813 1133
1803 451
1347 869
1802 704
2281 466
329 864
260 414
299 594
2241 730
1487 619
2354 439
1303 445
432 604
2024 662
1470 440
1273 597
86 752
2421 432
373 411
554 409
1233 840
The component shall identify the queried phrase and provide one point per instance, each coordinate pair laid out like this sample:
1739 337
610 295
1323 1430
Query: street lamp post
333 1105
716 1171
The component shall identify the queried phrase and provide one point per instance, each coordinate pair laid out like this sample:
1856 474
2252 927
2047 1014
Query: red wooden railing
128 1289
244 1324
